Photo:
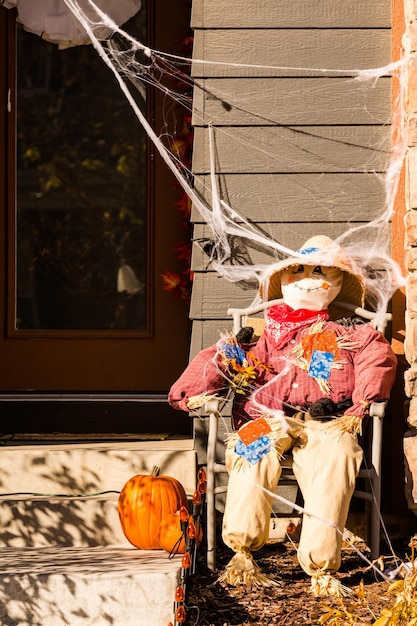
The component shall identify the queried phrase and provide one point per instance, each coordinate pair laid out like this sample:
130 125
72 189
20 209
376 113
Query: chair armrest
212 406
377 409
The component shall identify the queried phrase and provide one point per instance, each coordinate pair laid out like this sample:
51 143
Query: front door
90 224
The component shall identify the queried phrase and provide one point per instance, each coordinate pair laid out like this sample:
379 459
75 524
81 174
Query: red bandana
282 321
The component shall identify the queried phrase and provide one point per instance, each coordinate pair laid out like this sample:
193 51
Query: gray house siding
290 144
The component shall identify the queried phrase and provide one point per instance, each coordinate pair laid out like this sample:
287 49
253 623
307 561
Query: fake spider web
234 238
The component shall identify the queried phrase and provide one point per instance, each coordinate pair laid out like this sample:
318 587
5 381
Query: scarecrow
304 385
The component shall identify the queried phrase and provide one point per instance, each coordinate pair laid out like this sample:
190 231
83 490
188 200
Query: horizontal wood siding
291 14
308 149
279 101
298 150
292 235
324 197
288 52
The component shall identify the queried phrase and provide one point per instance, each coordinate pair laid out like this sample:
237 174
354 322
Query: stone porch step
43 522
66 494
63 557
98 586
90 467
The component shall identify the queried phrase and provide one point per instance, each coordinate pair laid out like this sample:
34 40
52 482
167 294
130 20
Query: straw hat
318 250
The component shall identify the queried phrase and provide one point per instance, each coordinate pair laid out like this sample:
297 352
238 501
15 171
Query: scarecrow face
311 287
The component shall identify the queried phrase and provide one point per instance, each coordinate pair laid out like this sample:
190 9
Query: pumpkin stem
155 470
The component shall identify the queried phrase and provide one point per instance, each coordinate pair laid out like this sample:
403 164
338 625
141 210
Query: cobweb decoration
234 236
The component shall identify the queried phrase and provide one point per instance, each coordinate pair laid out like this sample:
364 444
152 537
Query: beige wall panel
271 50
297 197
291 14
205 333
278 101
289 235
212 296
201 261
263 150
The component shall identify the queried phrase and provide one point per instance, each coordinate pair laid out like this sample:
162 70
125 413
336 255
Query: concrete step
85 468
60 522
87 587
48 493
64 559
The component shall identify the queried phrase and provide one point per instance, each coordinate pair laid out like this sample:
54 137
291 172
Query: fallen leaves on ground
213 604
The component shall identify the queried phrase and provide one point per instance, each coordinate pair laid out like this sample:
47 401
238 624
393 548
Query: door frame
169 322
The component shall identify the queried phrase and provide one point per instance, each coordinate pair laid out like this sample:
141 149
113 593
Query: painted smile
307 285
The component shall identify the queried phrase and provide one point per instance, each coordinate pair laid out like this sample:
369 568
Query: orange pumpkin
171 537
144 502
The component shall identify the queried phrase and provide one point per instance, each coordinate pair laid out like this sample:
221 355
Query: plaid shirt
365 373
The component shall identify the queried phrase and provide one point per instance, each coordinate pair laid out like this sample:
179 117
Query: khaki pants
326 463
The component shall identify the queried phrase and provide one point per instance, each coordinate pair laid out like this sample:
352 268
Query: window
82 193
86 206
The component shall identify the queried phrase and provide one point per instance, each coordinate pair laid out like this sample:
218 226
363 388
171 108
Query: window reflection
81 192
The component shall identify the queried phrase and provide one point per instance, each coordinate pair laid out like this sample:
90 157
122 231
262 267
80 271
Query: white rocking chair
370 471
